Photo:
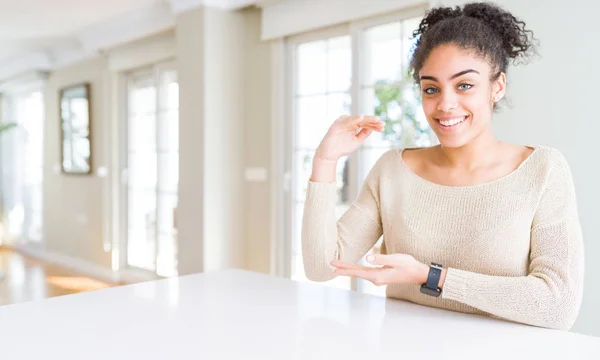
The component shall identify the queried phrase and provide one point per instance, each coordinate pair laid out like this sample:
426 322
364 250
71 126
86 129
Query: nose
447 103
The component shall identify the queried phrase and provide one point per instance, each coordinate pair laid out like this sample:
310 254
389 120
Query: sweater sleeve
550 295
325 238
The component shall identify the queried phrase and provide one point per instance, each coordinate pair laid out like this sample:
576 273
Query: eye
430 90
464 86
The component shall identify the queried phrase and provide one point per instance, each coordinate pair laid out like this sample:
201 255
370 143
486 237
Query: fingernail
370 258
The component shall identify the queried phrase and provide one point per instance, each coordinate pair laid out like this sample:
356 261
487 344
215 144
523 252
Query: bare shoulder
517 154
415 158
524 150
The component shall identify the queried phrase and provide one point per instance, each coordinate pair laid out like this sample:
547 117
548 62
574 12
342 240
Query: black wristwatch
433 279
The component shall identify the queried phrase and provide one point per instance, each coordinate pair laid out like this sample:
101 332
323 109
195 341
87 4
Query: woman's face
457 94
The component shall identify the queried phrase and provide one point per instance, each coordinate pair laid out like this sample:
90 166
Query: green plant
397 104
5 127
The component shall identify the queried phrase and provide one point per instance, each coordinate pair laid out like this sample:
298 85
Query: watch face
430 291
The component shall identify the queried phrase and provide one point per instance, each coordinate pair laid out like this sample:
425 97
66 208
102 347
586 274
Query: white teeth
452 122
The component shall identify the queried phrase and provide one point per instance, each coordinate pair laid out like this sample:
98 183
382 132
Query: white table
242 315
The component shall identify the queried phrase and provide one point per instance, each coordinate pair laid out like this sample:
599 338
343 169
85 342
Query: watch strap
433 279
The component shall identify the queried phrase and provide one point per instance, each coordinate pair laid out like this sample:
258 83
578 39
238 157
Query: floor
27 279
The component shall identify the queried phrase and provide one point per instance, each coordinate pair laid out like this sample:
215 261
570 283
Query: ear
499 88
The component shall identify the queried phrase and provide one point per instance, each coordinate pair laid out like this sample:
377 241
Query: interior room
145 141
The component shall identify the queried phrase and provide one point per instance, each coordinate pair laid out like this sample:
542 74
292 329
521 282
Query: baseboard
82 267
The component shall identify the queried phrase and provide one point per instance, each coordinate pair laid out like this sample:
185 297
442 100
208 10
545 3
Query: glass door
321 93
152 169
23 167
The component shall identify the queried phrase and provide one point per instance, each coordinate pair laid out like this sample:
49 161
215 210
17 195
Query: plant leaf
5 127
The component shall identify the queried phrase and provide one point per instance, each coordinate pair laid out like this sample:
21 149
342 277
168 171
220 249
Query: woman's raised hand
345 135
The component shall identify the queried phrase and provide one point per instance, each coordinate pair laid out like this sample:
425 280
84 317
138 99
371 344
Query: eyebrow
425 77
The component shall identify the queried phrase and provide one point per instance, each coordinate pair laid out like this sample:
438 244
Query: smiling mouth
451 122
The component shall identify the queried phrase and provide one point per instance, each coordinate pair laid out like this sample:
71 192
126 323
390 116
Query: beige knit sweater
513 247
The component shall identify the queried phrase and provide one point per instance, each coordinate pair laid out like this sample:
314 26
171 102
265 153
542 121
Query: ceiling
44 34
28 25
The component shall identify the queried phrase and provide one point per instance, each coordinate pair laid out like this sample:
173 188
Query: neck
472 155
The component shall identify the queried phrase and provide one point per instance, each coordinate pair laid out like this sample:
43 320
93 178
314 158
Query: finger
357 123
377 276
372 127
363 134
378 126
379 259
351 119
371 119
343 118
354 123
363 119
359 273
346 265
373 124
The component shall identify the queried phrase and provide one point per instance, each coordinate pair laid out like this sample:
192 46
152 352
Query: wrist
323 158
318 161
442 278
424 274
323 170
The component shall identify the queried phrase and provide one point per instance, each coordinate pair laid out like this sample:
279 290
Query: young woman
473 224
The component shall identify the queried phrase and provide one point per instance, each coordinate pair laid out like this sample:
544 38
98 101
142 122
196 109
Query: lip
451 117
453 127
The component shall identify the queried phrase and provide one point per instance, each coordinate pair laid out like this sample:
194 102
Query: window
23 167
358 69
152 169
323 73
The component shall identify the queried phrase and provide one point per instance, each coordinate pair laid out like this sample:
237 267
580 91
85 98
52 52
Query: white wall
224 128
225 106
191 69
210 53
74 206
257 150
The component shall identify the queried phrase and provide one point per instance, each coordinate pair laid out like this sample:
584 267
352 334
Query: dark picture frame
75 113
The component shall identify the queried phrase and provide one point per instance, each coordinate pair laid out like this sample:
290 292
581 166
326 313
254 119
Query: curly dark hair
490 31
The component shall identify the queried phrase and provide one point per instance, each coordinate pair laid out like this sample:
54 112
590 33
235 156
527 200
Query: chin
452 143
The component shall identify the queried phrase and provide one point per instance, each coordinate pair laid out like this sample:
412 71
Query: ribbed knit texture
513 247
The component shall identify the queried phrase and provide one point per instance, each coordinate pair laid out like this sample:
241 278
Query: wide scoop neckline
515 172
